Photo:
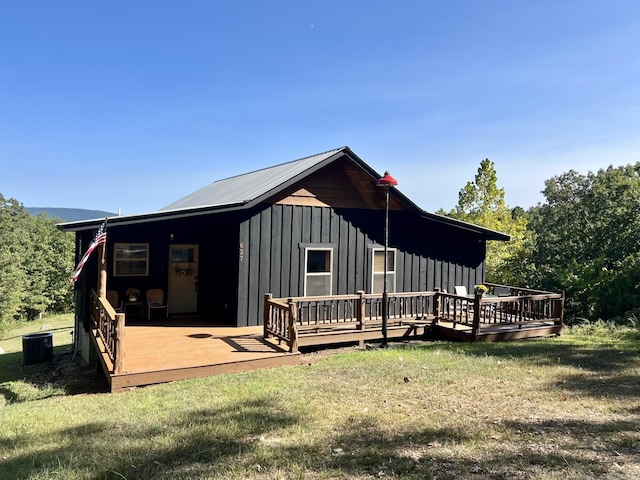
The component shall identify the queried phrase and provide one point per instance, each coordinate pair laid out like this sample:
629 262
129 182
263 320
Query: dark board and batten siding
273 241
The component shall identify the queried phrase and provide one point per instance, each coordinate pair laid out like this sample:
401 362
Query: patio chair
113 299
502 291
156 301
461 290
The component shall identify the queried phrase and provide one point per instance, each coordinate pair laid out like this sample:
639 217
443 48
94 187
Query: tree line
36 262
583 239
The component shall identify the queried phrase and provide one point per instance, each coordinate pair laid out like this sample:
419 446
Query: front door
183 278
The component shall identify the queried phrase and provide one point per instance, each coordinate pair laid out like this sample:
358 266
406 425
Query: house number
241 251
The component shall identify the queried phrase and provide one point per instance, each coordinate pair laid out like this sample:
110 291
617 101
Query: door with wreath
183 279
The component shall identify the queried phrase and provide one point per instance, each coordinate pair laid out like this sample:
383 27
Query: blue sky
134 104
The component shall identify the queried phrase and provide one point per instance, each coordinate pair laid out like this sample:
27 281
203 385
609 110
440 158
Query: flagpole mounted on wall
99 239
104 245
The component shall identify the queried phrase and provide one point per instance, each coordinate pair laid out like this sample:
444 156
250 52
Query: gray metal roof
249 186
243 191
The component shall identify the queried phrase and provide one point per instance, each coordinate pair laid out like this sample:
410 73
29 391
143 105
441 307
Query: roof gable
248 187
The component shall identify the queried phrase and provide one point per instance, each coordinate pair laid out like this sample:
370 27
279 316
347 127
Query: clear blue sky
134 104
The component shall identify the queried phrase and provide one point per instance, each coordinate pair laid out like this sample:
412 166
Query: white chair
461 290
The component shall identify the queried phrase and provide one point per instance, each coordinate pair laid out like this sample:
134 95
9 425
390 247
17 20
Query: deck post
266 315
476 316
102 272
120 354
437 305
293 331
560 320
360 315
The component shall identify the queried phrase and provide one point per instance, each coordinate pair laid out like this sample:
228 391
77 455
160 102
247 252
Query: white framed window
318 271
131 259
377 280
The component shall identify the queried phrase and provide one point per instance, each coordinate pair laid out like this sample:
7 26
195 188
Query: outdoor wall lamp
386 182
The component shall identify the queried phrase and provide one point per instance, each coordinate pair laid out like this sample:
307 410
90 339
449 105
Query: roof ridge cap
280 164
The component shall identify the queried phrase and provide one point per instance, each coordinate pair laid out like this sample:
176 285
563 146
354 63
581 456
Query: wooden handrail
276 319
109 326
285 318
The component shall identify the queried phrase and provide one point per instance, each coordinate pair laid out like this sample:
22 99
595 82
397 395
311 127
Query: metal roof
246 190
250 186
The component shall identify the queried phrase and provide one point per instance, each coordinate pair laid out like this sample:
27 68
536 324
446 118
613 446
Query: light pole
386 182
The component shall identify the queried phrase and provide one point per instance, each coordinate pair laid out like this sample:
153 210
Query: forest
36 262
584 238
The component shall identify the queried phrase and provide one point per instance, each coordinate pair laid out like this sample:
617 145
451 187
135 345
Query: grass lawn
558 408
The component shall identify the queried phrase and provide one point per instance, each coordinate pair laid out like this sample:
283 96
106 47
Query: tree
50 254
482 203
13 279
587 241
36 261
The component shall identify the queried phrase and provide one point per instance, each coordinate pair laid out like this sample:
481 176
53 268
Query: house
309 227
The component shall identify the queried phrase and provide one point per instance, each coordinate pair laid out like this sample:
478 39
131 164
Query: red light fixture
387 181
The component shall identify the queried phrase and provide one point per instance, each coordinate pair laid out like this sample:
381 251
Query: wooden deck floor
164 353
177 350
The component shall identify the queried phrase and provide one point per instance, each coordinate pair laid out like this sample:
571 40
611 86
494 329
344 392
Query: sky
131 105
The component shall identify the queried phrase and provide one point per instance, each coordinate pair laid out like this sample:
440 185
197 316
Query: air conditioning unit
37 348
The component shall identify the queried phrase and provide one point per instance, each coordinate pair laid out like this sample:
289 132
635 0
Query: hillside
70 214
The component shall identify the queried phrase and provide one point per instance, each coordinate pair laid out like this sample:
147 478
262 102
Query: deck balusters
327 318
109 327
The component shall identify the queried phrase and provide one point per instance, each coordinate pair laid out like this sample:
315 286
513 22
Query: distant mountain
70 214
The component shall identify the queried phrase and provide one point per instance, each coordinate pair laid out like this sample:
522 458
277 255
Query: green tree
36 261
482 203
13 278
49 268
587 241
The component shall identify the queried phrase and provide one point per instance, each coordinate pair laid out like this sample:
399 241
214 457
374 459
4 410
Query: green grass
562 408
60 325
13 384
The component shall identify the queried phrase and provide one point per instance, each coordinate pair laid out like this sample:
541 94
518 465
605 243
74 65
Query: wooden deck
495 333
507 313
176 351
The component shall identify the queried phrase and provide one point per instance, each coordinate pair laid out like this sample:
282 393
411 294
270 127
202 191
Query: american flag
99 239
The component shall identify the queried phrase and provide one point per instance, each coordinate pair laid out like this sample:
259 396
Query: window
131 259
378 271
318 272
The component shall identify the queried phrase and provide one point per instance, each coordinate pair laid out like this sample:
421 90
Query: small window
318 272
131 259
378 271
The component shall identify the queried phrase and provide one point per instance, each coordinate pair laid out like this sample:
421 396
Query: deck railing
109 328
503 305
287 319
